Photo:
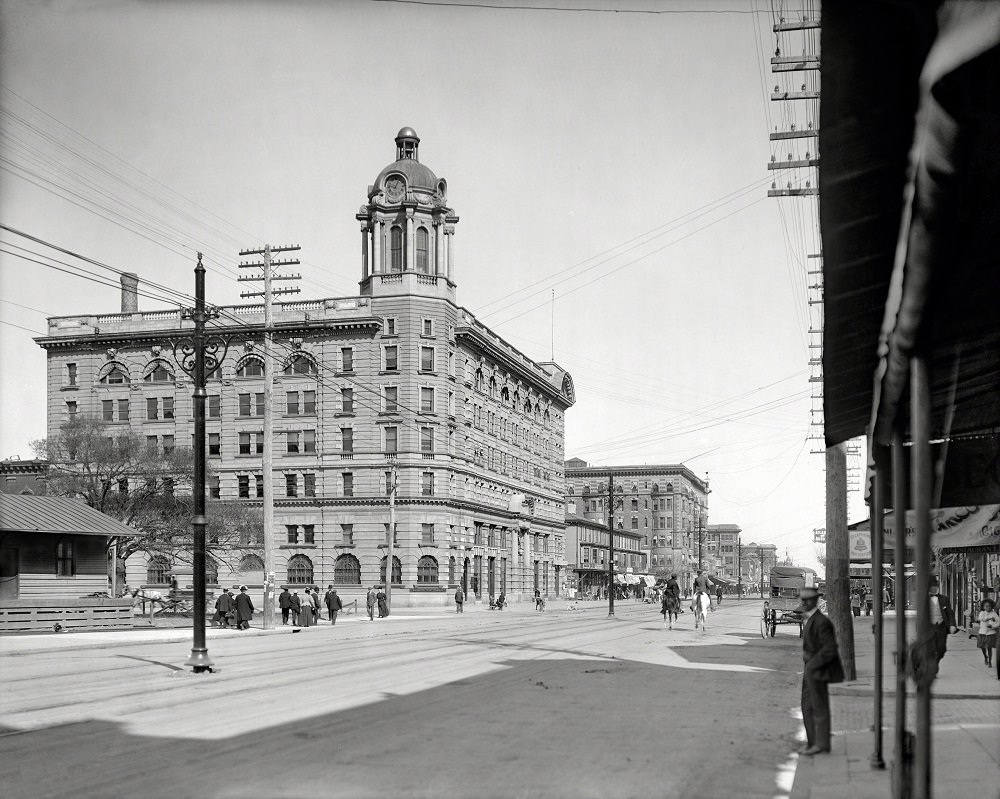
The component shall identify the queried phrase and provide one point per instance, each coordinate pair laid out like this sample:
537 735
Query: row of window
308 484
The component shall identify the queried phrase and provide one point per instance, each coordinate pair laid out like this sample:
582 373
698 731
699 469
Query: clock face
394 188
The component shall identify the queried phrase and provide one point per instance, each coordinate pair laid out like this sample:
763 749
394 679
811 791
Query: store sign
973 526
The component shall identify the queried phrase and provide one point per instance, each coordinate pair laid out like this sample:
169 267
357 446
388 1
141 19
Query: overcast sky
617 158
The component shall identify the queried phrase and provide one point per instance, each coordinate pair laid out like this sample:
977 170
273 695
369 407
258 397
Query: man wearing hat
822 666
244 609
285 603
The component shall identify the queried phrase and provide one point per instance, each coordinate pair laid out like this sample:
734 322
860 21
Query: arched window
451 570
115 376
251 367
427 570
396 249
347 571
158 570
397 571
251 563
211 570
300 365
423 265
300 570
158 372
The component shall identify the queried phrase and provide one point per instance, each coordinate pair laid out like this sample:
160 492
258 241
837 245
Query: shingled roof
20 513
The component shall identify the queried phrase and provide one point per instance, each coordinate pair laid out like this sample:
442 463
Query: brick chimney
130 292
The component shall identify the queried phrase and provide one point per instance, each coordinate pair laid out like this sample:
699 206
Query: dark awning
911 260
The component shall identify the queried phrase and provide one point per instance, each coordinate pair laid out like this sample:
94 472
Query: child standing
989 622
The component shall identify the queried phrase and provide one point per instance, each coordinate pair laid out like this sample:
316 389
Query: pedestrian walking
285 603
989 623
718 594
371 600
501 600
885 598
942 618
383 604
223 610
821 666
459 600
333 604
856 603
306 616
538 599
244 609
314 599
869 602
296 608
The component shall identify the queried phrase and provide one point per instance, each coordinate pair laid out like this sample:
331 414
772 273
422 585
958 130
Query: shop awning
720 580
910 215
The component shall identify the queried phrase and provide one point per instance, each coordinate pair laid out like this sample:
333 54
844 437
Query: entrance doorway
492 576
465 578
536 575
10 574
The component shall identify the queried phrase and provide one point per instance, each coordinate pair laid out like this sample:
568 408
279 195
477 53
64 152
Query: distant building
587 551
665 505
758 559
24 477
723 543
399 375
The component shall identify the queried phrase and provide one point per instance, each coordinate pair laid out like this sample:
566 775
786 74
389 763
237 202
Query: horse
670 608
142 595
702 604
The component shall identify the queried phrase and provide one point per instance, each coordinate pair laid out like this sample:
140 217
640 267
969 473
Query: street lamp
199 355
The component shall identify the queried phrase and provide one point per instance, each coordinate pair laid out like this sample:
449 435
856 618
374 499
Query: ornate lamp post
197 355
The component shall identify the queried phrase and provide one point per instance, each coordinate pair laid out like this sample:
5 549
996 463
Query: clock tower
407 229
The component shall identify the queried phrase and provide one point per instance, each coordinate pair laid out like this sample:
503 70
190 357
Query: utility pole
701 563
838 581
739 568
760 550
392 537
611 545
266 467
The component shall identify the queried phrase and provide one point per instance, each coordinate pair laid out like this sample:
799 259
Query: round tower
407 228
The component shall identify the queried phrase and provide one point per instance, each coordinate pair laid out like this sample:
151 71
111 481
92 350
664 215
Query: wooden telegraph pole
391 538
838 579
266 467
611 545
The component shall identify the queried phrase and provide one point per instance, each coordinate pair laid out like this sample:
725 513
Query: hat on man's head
808 592
243 588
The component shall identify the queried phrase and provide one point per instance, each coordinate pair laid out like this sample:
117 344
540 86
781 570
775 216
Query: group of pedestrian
233 611
305 611
376 599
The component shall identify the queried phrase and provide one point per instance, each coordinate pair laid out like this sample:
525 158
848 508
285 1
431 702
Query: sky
618 160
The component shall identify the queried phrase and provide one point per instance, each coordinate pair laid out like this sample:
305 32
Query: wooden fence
21 615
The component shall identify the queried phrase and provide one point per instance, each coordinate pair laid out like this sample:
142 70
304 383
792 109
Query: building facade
665 505
587 551
757 561
24 477
724 545
398 378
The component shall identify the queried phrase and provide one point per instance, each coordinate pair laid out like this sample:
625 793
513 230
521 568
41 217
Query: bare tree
115 471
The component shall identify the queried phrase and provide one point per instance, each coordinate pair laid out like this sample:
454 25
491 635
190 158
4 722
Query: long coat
819 650
285 599
383 606
244 608
333 603
224 604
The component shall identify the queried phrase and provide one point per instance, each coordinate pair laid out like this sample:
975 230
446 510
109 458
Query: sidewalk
962 674
143 633
965 742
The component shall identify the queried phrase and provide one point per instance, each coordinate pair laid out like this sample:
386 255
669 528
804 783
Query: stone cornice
303 327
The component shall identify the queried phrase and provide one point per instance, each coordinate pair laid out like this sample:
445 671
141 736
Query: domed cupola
407 227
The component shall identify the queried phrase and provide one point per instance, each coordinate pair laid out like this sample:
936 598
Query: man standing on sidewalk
333 604
370 601
459 600
942 618
822 666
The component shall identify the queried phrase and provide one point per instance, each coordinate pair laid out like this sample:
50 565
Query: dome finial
407 142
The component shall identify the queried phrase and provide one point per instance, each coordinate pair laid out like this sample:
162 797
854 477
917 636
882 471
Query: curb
847 689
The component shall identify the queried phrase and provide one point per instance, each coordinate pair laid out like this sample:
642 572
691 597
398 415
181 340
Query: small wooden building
53 556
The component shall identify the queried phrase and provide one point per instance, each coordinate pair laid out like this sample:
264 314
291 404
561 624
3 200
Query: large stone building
667 505
398 376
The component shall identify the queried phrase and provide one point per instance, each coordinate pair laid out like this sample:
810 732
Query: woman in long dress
306 618
383 607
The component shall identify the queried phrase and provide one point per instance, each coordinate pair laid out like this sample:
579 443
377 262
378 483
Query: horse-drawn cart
780 607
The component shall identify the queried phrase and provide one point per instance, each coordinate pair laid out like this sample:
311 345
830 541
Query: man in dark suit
285 603
821 667
942 617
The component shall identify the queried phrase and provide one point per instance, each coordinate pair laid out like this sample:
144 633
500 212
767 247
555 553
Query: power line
570 9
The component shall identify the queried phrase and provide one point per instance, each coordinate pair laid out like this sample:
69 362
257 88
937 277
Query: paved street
566 703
